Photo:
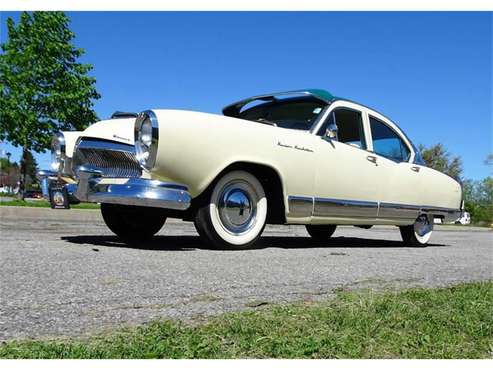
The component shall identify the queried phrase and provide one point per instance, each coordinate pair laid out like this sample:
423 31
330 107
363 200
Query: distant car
300 157
465 219
34 194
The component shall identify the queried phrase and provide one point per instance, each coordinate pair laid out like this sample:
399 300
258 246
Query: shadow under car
188 243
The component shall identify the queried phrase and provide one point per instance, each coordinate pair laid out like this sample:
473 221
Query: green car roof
321 94
233 110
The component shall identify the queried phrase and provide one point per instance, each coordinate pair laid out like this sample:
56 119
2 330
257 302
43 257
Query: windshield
296 114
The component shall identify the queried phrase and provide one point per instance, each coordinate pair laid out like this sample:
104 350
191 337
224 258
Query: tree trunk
22 185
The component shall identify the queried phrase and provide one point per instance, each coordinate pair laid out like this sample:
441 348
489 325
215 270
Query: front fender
194 148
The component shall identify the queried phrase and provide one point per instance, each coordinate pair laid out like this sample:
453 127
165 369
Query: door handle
415 168
372 159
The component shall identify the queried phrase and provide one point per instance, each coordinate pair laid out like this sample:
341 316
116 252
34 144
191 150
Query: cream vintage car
299 157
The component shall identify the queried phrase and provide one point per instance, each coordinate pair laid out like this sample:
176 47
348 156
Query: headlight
146 139
57 152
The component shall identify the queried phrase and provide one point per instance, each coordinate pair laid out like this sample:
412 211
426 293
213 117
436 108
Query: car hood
120 130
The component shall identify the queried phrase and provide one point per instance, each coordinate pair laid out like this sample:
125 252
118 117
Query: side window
387 142
350 127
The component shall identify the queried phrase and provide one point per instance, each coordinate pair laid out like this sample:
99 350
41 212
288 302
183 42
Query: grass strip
45 204
452 322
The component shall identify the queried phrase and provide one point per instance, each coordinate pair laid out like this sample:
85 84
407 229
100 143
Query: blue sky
429 72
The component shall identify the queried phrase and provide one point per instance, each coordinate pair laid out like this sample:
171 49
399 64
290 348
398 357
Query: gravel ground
62 273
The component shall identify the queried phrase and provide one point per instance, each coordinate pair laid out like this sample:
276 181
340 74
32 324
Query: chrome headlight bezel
146 135
58 152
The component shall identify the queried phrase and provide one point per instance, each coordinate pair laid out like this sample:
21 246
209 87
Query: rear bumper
93 188
446 215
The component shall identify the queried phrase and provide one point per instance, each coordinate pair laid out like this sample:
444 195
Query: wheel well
270 180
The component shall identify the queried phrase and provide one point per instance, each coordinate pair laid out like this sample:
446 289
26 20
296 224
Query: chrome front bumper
93 188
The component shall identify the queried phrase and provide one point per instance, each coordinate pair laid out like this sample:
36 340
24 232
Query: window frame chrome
362 116
366 112
411 152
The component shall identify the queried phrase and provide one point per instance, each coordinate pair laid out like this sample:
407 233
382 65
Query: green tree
469 194
484 198
4 164
43 88
9 173
438 158
29 167
478 199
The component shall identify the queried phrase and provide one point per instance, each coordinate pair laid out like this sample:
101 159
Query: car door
347 182
400 194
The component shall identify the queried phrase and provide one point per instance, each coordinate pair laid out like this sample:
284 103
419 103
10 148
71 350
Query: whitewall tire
234 215
418 234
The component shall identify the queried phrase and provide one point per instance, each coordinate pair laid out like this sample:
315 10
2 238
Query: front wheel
418 234
133 223
320 232
235 214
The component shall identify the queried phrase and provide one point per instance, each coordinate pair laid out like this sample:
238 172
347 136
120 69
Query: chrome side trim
395 210
136 191
300 206
325 207
411 212
303 206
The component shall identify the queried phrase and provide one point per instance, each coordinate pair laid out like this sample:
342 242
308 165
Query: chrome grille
111 158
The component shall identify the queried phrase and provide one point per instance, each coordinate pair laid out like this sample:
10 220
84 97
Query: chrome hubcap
236 209
422 226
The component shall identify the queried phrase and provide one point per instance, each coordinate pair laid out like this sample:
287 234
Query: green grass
45 204
454 322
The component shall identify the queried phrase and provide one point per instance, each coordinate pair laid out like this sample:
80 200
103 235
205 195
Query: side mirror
331 131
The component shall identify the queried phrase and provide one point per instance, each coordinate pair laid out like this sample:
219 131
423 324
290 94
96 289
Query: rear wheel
418 234
234 215
133 223
321 232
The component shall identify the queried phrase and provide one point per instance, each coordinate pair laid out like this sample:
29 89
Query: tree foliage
438 158
478 199
9 173
44 89
5 164
29 167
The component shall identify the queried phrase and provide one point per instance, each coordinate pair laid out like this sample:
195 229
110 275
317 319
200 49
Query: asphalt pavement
62 272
